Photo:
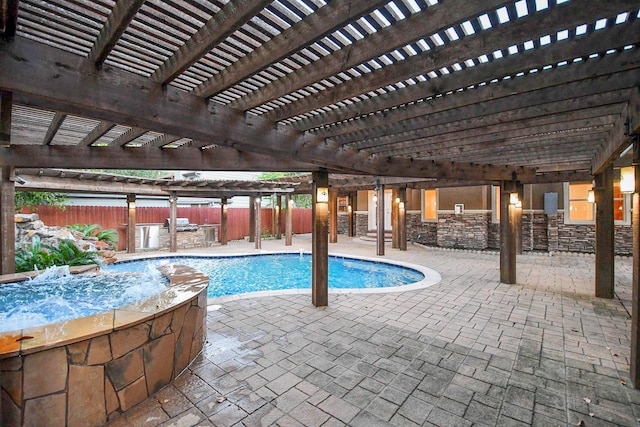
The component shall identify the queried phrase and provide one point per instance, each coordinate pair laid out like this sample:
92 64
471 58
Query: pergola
456 92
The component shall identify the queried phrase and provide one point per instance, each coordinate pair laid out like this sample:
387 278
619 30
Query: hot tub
87 371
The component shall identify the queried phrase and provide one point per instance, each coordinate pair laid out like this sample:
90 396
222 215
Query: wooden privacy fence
116 217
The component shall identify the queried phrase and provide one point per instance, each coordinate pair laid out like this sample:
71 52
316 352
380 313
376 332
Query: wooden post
634 370
7 222
333 217
224 207
320 242
258 222
6 104
278 217
519 209
288 220
131 223
604 233
351 209
402 220
173 214
380 219
252 218
507 233
395 202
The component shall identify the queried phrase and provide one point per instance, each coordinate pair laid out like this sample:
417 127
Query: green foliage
34 198
86 229
134 172
108 235
38 256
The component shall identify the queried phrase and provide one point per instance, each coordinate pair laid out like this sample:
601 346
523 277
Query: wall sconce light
20 180
397 199
513 198
591 196
401 205
627 180
375 198
258 200
322 195
349 208
519 204
132 205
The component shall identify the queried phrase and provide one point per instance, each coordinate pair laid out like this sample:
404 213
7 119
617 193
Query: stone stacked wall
90 382
477 231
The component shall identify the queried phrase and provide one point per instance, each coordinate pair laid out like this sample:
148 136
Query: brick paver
467 351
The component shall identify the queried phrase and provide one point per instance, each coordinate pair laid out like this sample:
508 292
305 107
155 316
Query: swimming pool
247 274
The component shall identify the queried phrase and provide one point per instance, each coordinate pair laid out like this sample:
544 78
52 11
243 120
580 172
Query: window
579 209
495 190
429 205
619 204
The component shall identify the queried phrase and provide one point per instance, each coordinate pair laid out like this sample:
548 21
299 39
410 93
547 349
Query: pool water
253 273
56 298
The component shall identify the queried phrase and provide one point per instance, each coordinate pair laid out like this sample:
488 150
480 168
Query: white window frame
494 204
626 208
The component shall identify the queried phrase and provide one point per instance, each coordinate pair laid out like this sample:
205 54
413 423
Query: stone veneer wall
90 382
362 223
466 231
184 240
343 223
425 233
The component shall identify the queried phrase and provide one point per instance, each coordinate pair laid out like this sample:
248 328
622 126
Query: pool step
371 236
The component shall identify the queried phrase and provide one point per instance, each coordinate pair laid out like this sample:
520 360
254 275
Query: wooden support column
604 233
320 241
224 208
380 219
258 222
634 370
288 219
278 217
173 215
131 223
395 201
7 222
507 233
402 219
252 218
351 210
6 103
333 217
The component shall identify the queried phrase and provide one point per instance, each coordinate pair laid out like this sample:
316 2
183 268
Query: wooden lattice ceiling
454 90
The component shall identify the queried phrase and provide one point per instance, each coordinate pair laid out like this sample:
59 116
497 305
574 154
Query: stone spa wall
87 371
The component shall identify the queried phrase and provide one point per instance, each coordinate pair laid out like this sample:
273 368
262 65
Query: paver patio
467 351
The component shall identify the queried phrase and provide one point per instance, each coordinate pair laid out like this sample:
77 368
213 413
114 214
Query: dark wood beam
54 126
417 26
162 140
97 133
76 157
231 17
8 18
572 97
518 31
313 27
419 99
128 136
121 15
521 131
628 123
605 242
52 79
6 106
65 185
320 243
7 221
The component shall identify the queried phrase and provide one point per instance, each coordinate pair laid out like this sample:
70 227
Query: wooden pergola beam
117 23
564 16
368 110
325 20
97 132
54 126
128 136
8 18
231 17
415 27
53 79
76 157
6 105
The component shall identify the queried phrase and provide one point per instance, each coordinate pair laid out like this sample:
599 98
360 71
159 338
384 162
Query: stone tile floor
467 351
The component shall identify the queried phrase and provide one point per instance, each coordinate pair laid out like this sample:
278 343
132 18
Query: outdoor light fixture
375 198
627 180
513 198
400 205
322 195
20 180
591 196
